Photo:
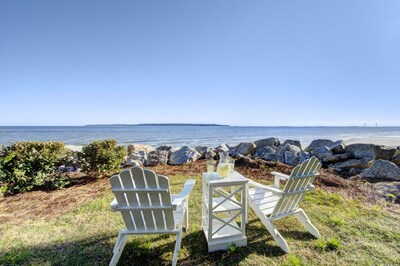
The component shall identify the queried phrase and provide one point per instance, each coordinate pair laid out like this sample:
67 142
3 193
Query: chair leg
118 248
276 235
187 215
272 230
177 247
303 219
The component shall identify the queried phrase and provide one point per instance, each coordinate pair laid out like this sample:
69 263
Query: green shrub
28 164
102 157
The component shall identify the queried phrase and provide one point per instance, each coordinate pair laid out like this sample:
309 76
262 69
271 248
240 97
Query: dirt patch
49 204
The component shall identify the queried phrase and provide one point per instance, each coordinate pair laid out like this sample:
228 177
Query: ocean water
179 135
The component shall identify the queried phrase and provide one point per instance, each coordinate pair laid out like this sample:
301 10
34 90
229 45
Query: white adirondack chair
270 203
147 207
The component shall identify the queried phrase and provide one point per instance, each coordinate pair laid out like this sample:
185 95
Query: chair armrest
184 194
270 188
114 204
278 177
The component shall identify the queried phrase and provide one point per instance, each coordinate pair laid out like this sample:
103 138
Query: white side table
224 201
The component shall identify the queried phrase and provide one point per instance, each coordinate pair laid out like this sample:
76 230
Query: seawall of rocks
369 161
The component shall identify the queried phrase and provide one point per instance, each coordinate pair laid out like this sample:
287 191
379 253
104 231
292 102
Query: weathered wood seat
270 203
147 207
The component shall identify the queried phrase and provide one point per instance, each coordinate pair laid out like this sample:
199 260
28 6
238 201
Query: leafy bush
28 164
102 156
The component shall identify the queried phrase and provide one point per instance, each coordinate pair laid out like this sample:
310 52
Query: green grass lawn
352 234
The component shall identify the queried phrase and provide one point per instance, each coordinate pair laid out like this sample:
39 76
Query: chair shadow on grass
97 250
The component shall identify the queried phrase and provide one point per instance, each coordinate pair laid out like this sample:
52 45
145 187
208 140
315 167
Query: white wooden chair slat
139 180
267 211
258 201
151 180
138 218
281 203
149 220
144 200
127 182
126 216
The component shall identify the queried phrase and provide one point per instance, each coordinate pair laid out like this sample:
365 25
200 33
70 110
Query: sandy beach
386 141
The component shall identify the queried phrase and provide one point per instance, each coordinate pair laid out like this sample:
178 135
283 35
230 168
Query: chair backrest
144 200
299 183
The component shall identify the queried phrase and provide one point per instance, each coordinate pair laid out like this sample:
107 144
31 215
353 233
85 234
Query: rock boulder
269 142
134 147
352 163
360 151
291 158
337 147
245 149
288 147
384 153
382 170
202 150
396 158
292 142
157 157
317 143
264 152
184 155
321 153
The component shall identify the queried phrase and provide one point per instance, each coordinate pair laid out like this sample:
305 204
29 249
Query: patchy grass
352 234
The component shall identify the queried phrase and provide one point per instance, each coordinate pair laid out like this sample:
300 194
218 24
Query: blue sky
266 63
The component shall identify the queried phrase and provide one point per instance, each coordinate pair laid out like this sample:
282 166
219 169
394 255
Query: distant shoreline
156 124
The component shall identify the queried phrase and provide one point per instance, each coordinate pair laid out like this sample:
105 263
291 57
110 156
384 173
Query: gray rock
352 163
137 156
164 148
292 142
157 157
269 142
139 147
337 147
359 151
291 158
131 162
336 158
396 158
264 152
321 153
275 158
384 153
210 155
382 170
245 149
184 155
221 148
355 171
169 149
304 156
202 150
288 147
232 151
317 143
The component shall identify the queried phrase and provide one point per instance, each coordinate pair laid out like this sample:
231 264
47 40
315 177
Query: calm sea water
187 135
